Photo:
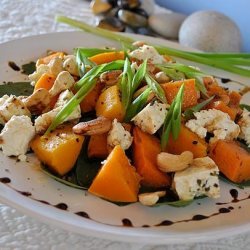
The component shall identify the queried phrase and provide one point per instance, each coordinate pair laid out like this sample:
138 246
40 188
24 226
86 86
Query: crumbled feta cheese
63 81
16 136
63 98
147 52
56 66
119 136
201 178
216 122
151 118
40 70
70 65
43 121
244 123
11 105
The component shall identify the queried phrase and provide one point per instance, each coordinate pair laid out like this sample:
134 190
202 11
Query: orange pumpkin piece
98 146
235 99
47 59
190 93
220 105
146 147
117 180
109 104
46 81
89 102
107 57
232 160
58 150
187 141
213 87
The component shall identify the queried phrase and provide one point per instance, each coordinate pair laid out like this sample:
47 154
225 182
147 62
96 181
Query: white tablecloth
19 18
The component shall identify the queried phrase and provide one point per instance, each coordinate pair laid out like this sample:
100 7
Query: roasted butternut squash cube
109 104
89 102
146 147
232 160
190 96
98 146
58 150
107 57
117 180
187 141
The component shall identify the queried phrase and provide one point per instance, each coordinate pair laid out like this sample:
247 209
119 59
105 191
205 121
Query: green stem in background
95 30
203 58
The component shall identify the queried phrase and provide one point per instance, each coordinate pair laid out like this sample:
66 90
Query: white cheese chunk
151 118
40 70
244 123
119 136
11 105
63 98
16 136
70 65
54 67
147 52
201 178
216 122
63 81
43 121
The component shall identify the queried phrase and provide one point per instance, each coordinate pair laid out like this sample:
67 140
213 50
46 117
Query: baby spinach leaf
86 168
16 88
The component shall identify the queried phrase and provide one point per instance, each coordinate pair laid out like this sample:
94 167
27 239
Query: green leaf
71 183
245 106
137 105
189 113
88 52
172 123
28 68
86 169
176 118
156 88
126 84
98 70
16 88
139 75
179 203
83 63
189 72
173 74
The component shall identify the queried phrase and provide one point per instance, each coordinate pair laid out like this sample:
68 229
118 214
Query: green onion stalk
230 62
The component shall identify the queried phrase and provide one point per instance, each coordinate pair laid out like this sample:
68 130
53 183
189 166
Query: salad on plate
129 125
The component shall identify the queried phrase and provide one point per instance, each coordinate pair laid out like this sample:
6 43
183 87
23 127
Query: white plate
106 219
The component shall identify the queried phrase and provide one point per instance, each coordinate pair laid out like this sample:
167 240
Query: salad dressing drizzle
13 66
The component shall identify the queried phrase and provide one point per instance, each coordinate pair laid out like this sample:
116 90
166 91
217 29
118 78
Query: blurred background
236 10
212 26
